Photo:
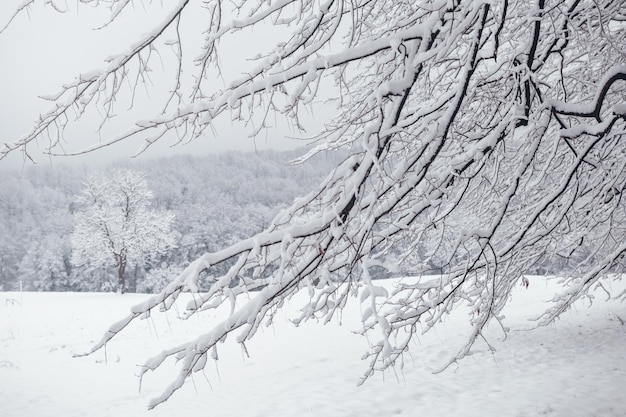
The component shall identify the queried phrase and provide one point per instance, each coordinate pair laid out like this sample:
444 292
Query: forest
216 200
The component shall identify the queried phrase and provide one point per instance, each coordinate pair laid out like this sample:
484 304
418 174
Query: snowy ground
575 367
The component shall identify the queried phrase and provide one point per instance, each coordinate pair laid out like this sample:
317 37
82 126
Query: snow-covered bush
157 278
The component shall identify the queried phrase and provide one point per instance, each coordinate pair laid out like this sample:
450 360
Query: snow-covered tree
489 132
116 226
35 227
46 265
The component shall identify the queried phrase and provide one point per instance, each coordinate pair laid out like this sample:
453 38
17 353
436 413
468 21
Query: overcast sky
43 49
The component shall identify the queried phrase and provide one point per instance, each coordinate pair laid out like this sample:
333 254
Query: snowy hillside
574 367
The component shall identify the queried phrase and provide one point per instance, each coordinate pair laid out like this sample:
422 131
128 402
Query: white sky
43 49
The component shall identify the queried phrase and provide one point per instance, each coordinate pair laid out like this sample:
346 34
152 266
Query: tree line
214 200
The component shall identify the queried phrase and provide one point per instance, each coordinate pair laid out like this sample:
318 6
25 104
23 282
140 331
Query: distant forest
217 200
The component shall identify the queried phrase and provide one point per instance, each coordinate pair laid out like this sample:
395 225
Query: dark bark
121 274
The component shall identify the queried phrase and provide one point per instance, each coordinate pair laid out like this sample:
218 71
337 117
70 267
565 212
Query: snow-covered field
574 367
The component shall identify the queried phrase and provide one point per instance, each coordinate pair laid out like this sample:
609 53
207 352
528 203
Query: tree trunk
121 275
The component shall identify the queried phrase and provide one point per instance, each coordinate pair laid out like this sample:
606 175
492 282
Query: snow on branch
473 164
593 108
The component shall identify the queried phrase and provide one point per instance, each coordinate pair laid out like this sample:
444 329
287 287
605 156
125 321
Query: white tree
490 132
116 226
45 266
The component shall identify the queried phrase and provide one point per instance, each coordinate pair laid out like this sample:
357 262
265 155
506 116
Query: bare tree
115 225
491 133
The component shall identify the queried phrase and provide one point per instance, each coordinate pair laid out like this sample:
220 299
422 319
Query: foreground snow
575 367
